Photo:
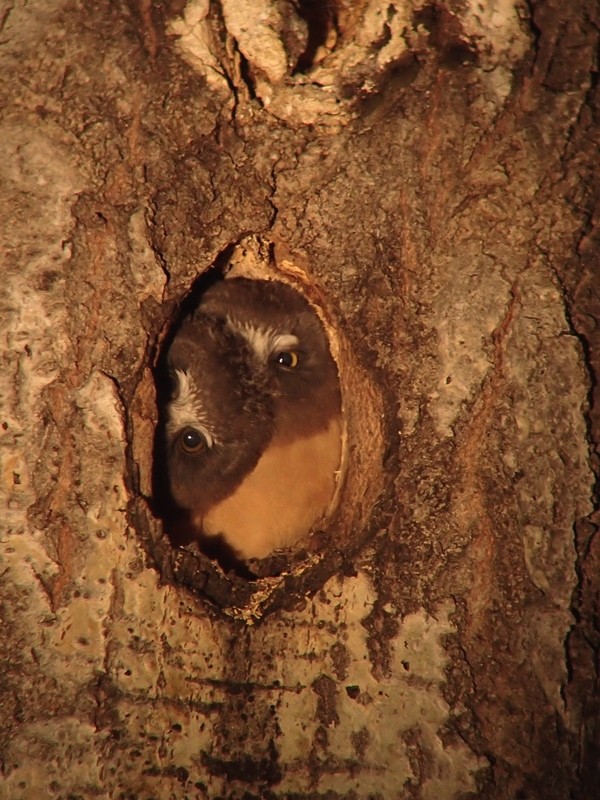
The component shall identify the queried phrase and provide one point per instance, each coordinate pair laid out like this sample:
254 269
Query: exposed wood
428 173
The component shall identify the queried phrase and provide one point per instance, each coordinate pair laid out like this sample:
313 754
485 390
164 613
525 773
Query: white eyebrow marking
264 341
186 408
284 341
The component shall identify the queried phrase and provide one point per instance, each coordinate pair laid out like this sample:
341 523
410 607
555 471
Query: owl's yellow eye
191 440
288 359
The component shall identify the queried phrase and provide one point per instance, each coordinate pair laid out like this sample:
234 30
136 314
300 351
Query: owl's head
253 426
287 340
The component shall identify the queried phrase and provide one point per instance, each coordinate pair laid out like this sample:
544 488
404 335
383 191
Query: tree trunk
427 173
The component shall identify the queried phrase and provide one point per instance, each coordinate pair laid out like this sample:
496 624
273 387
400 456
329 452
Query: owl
253 427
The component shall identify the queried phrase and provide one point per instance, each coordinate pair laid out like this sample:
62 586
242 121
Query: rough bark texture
428 173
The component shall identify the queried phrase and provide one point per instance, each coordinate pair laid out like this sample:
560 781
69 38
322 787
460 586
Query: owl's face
217 423
288 342
254 425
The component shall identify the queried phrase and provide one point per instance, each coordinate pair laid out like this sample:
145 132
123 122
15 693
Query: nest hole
208 564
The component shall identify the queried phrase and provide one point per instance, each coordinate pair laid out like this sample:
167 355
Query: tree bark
427 173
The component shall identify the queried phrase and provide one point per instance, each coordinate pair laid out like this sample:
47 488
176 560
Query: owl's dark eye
191 440
288 359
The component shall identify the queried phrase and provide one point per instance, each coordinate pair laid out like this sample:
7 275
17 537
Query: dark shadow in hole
320 18
217 549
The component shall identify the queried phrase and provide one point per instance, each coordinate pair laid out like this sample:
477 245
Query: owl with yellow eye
254 426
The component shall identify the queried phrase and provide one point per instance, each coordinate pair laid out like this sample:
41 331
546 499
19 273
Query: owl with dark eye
254 425
216 422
